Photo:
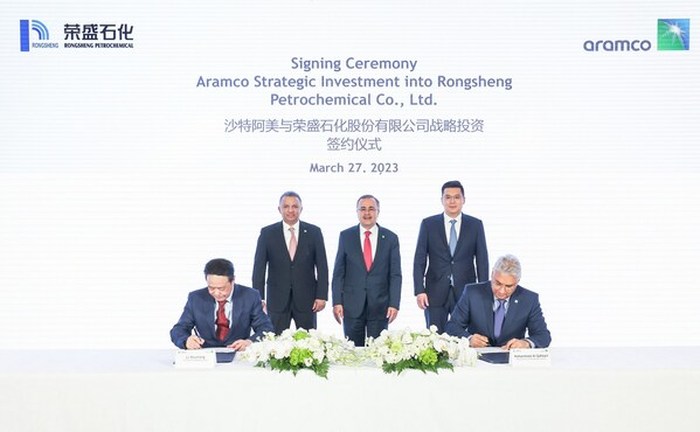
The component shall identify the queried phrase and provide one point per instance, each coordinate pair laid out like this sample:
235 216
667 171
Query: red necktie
221 321
367 252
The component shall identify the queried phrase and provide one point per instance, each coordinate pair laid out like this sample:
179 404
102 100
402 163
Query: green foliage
294 366
301 335
294 350
429 360
298 356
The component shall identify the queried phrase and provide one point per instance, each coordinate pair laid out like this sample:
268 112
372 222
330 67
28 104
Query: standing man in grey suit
366 276
451 252
499 312
293 254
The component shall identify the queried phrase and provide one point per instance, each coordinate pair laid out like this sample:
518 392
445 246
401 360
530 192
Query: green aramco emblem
673 34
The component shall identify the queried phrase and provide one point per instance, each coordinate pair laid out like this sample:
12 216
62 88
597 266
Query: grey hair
367 197
508 264
291 194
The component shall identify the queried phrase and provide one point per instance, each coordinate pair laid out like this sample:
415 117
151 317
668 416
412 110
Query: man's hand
194 342
422 300
516 343
338 313
478 341
318 305
391 314
240 344
264 306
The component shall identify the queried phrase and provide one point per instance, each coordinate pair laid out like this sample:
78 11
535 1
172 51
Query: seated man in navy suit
221 314
499 312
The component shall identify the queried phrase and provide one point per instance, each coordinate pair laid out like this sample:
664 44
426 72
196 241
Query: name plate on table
195 359
538 357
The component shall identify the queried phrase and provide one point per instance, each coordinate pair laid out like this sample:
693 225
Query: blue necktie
453 237
498 318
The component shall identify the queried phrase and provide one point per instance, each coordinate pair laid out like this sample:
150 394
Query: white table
585 389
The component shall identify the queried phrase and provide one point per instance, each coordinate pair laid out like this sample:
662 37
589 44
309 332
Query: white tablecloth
585 389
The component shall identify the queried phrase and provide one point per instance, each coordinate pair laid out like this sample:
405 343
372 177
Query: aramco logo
673 34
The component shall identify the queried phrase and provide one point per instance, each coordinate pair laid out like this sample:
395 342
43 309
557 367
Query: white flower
403 347
322 349
399 348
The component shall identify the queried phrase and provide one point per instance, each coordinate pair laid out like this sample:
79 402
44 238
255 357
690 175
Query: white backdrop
119 179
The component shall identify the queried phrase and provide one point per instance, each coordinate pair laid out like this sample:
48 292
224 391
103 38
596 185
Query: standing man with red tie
450 253
293 255
222 314
366 276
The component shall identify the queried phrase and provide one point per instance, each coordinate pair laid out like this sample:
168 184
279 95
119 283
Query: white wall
118 181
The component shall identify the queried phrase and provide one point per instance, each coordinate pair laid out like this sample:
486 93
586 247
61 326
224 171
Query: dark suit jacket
200 309
306 277
353 284
433 252
474 314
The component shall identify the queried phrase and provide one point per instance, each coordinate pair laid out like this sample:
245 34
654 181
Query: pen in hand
198 336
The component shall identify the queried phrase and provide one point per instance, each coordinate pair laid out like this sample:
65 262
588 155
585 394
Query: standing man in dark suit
221 314
366 275
294 256
449 246
499 312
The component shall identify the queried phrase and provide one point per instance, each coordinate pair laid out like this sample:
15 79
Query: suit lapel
302 238
208 310
355 246
513 309
236 311
462 238
283 243
381 245
488 308
440 222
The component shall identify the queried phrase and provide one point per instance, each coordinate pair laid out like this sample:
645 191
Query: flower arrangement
294 350
425 350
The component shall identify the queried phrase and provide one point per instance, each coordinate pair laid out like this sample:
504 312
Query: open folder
225 355
496 357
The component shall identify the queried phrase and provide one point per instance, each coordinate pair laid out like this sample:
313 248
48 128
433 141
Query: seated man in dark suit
221 314
499 312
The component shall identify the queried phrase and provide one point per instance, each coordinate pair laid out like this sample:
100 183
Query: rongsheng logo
673 34
42 32
76 35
